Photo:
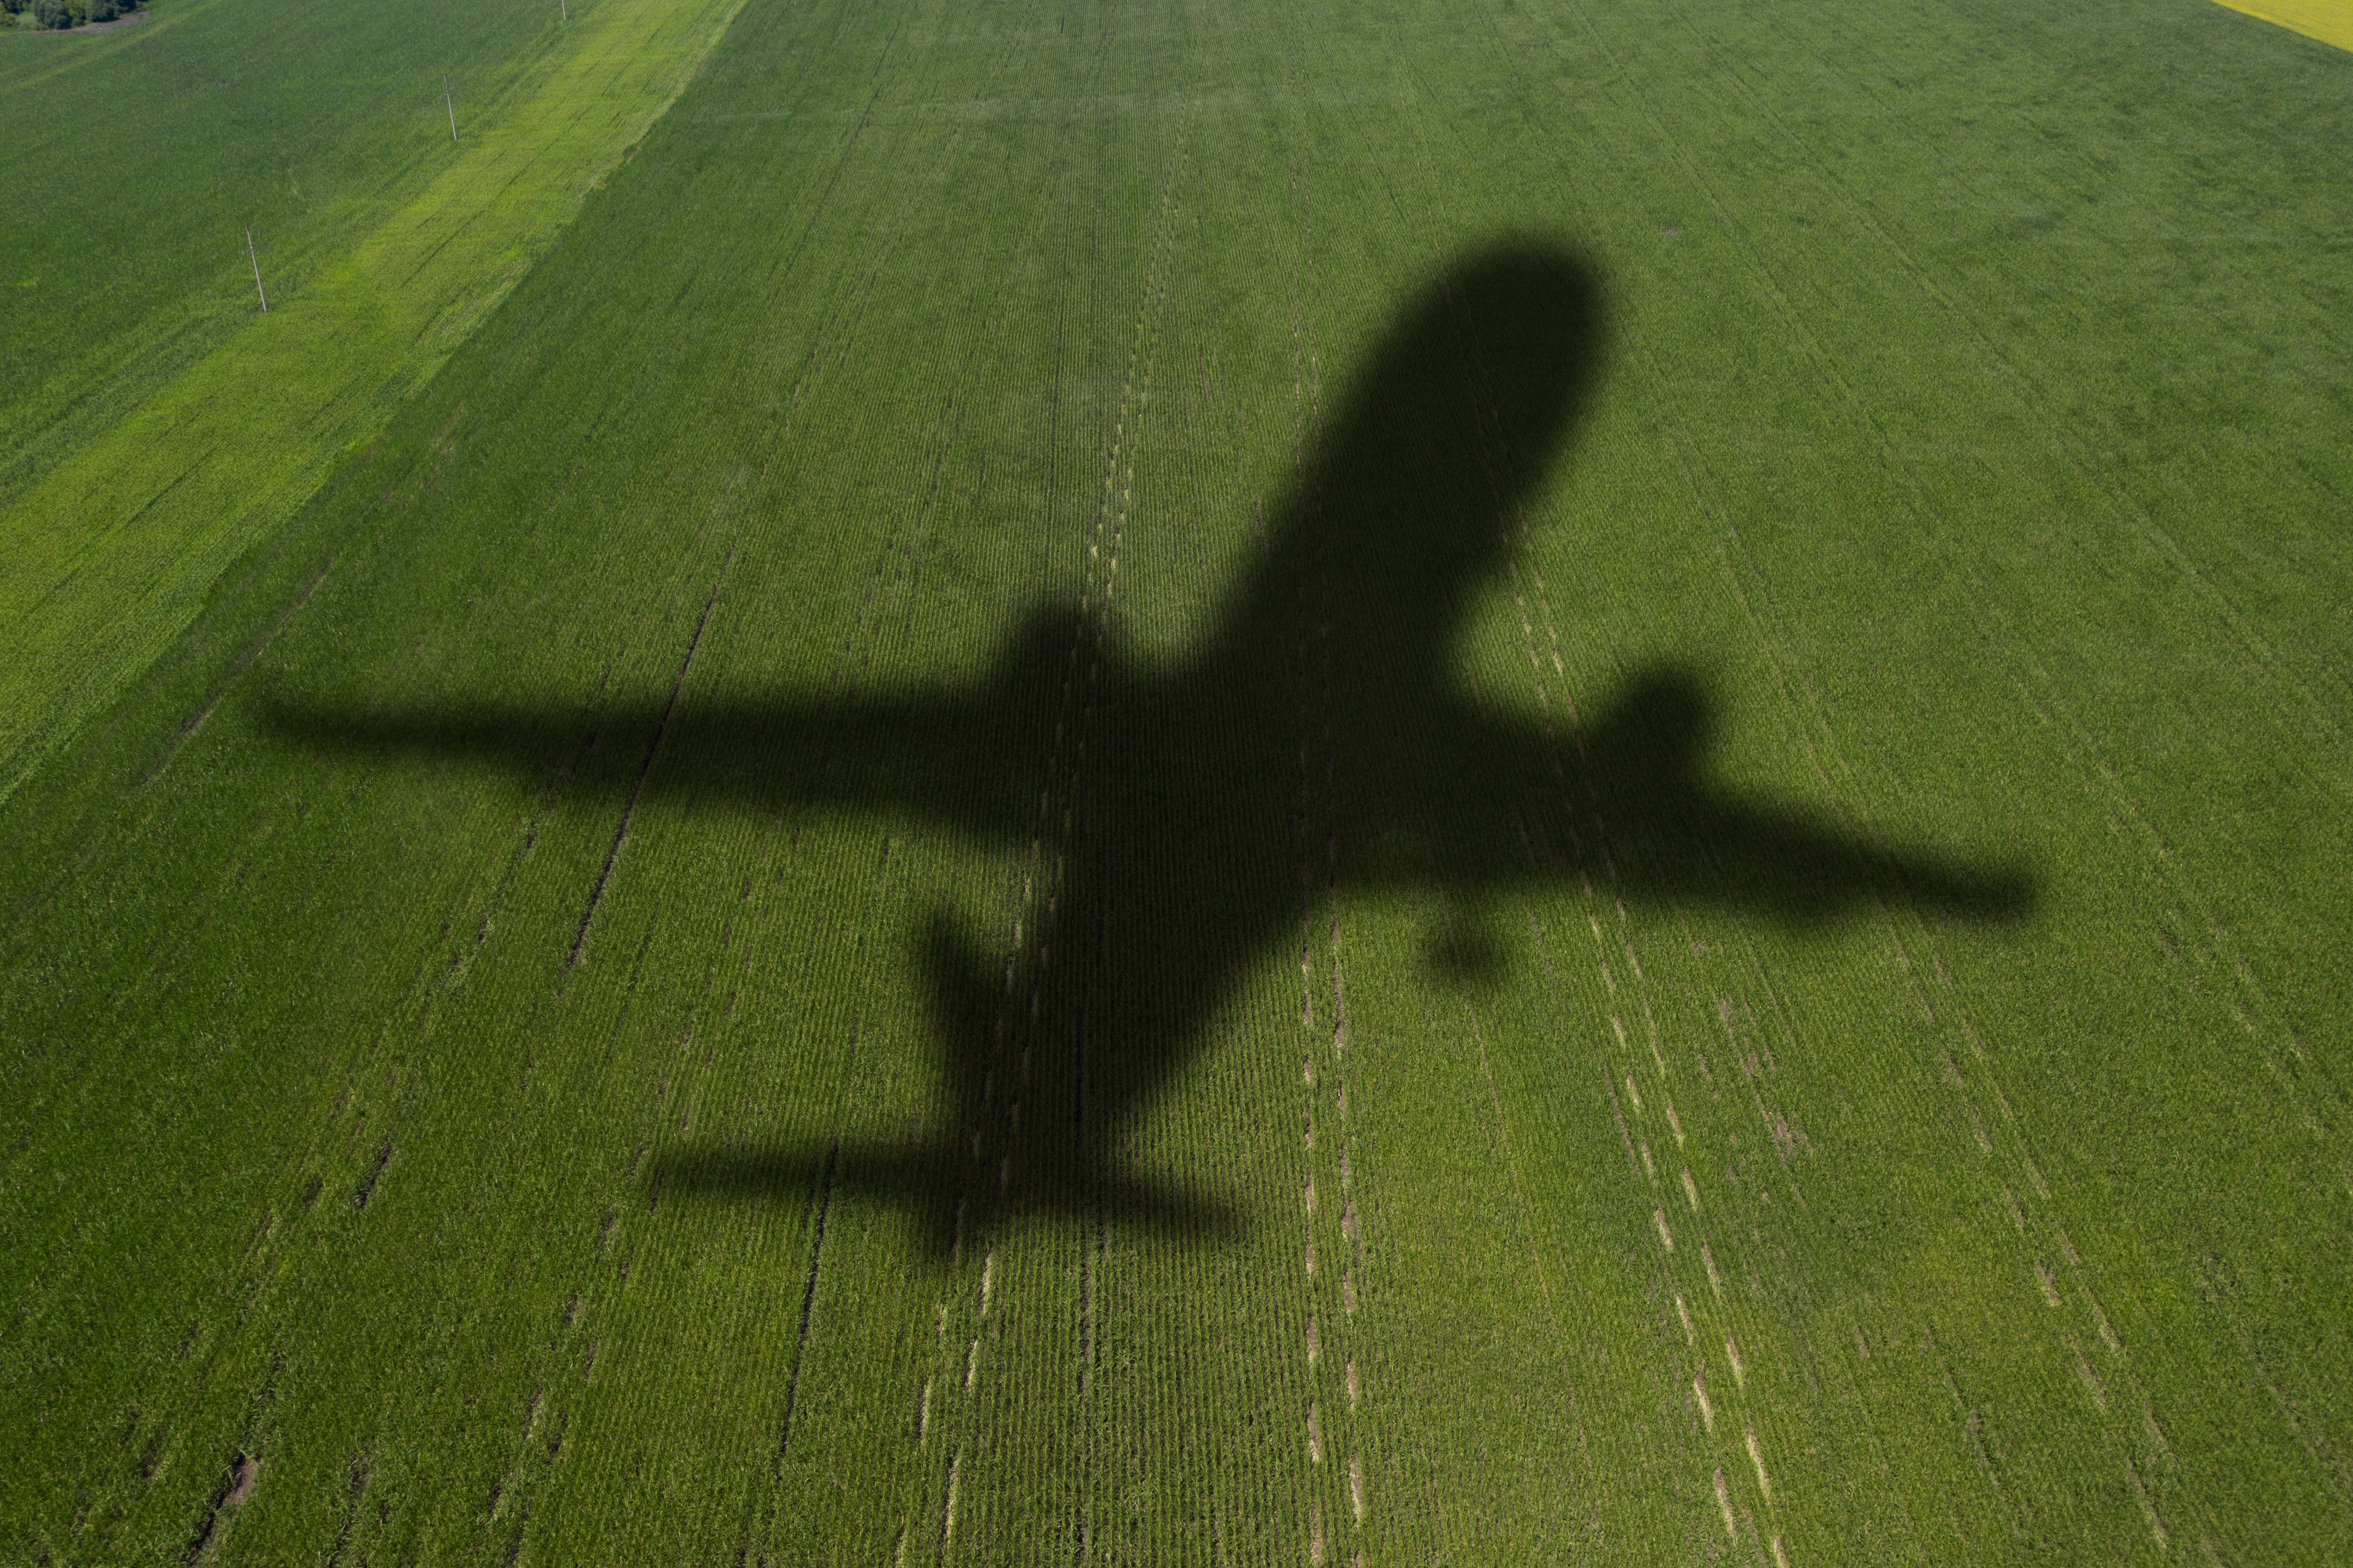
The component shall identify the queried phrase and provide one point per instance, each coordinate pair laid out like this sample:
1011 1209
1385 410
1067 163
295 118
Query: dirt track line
1042 888
823 1209
2131 1445
645 771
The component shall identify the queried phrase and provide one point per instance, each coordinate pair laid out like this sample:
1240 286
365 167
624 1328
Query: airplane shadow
1321 736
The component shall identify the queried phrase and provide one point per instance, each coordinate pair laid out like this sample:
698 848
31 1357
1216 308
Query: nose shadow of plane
1320 738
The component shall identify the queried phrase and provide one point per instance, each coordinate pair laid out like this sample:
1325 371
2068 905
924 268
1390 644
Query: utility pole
451 103
255 257
566 9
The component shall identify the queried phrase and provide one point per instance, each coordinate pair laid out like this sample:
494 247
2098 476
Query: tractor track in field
1547 665
367 1112
1337 1504
891 588
949 1392
896 565
2318 1096
645 771
2132 1429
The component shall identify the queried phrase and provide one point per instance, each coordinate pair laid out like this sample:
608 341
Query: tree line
61 13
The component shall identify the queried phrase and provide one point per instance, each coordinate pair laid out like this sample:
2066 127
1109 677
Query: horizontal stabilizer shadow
1319 737
916 1178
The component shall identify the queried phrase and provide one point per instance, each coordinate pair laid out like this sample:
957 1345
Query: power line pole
451 103
255 257
565 8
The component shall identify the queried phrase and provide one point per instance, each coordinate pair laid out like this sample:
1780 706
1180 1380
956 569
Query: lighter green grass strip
105 561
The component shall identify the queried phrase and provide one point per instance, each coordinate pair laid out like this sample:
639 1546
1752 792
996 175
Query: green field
152 455
1408 782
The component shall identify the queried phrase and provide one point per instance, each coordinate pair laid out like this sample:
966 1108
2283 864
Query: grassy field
1408 783
137 155
153 453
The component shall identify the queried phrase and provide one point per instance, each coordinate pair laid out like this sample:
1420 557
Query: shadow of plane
1320 736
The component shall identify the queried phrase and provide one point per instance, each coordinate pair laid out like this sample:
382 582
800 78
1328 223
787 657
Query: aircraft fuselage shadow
1318 739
